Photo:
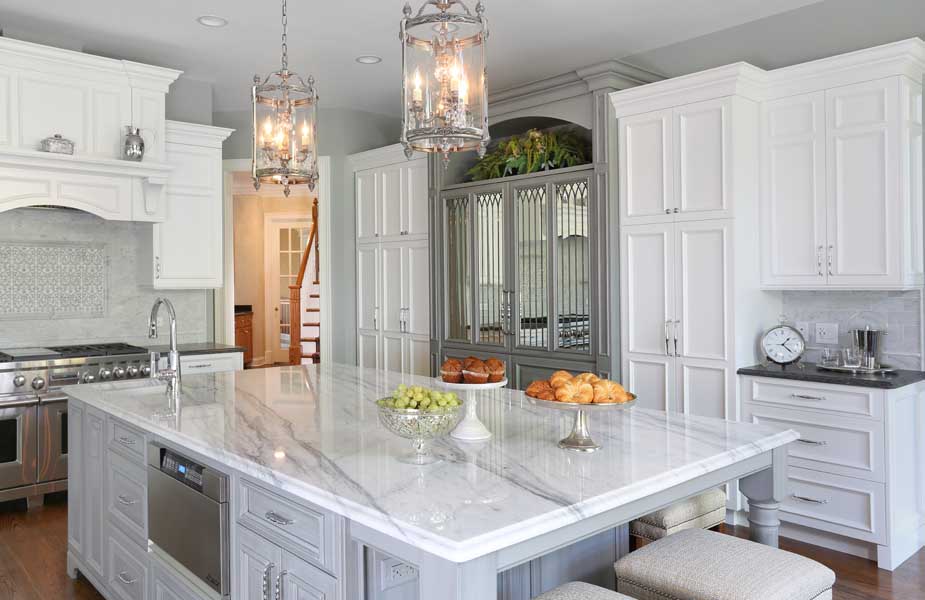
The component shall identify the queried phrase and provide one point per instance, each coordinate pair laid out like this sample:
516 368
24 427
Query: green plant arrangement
530 153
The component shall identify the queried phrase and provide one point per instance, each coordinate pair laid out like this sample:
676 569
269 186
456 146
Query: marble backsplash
899 313
109 303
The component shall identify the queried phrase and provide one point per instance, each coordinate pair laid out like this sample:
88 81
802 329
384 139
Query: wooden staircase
297 352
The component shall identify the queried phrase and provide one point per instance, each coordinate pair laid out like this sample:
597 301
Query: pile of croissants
585 388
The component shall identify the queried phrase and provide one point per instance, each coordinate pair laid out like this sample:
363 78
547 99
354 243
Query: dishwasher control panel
182 469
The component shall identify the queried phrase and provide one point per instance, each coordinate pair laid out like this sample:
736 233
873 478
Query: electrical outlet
803 328
826 333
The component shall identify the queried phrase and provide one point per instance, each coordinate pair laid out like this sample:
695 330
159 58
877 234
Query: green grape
413 404
401 403
402 387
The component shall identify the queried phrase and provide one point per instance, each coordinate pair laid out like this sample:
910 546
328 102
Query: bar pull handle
805 397
376 317
126 441
277 518
280 582
830 259
126 579
813 442
266 581
667 337
809 500
676 325
819 261
125 500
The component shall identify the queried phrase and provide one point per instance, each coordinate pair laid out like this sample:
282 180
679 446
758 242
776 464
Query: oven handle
19 401
53 399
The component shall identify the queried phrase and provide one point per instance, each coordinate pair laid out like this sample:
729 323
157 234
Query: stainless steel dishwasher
188 515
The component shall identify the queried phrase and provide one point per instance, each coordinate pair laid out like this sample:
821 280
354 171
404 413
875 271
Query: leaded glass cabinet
519 269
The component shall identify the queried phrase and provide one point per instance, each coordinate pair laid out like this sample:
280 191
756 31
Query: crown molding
194 134
380 157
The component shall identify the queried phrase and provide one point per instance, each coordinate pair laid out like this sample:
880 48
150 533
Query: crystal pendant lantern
444 95
285 126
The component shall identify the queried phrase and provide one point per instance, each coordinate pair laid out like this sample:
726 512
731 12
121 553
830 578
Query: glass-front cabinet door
457 273
491 292
572 263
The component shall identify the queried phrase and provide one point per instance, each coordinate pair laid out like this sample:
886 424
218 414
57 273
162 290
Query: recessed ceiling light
212 21
369 59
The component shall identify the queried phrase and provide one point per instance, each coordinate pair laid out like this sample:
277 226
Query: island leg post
765 490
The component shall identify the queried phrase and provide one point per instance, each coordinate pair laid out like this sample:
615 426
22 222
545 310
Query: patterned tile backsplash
899 313
70 277
53 280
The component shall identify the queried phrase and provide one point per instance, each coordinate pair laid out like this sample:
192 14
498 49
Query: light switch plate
826 333
803 328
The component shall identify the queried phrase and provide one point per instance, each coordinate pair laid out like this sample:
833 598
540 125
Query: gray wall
815 31
129 291
341 132
190 101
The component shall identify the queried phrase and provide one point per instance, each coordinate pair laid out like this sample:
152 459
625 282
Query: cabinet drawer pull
199 366
126 441
265 595
813 442
126 579
126 500
805 397
809 500
277 518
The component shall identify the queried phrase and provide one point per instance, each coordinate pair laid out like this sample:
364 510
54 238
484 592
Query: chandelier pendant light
444 92
285 126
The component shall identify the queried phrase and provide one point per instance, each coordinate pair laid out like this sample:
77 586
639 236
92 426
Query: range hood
89 100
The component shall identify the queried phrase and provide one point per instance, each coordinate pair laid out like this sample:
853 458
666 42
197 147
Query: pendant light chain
285 46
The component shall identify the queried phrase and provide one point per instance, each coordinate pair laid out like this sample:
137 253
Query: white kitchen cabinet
676 163
842 189
676 281
393 261
168 583
793 199
188 245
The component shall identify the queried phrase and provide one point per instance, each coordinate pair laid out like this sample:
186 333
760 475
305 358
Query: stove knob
19 381
38 383
88 378
132 371
145 371
118 372
105 374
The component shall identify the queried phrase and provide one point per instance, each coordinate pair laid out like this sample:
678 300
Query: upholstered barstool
695 564
581 591
704 511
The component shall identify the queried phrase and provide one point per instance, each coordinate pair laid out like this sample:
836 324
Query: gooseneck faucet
172 373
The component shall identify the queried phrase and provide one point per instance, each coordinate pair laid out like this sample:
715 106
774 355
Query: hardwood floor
32 561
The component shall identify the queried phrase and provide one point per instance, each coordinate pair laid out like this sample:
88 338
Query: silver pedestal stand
580 440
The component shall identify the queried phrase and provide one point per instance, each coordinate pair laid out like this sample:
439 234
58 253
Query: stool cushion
703 511
704 565
581 591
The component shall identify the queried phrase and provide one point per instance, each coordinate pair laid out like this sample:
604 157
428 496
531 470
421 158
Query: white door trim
224 297
269 290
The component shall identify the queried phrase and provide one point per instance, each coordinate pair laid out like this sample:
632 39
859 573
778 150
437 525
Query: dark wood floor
32 561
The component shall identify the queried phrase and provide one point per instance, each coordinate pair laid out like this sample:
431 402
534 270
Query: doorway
286 237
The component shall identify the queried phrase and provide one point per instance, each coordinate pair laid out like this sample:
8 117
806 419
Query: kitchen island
315 481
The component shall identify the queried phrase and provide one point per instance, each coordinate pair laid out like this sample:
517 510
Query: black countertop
199 348
809 372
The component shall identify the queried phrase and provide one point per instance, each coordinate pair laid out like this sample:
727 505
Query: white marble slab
314 432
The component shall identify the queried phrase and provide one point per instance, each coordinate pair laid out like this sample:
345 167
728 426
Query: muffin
475 373
495 370
471 360
451 371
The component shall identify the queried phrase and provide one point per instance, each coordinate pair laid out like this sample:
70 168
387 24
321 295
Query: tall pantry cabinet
690 304
393 272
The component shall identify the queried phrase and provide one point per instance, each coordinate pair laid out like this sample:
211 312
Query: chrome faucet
172 373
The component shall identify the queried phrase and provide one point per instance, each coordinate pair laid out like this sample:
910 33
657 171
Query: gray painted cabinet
518 270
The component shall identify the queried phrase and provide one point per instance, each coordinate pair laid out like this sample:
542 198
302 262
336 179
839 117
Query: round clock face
783 344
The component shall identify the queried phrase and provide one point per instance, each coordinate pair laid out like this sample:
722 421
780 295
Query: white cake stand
471 429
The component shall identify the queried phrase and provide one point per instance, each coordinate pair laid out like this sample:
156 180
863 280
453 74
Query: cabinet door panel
368 350
390 201
647 281
532 313
457 269
705 388
703 284
255 554
416 214
701 149
367 217
417 360
793 208
94 464
864 216
368 288
651 378
300 580
490 238
647 176
392 352
574 289
75 481
390 301
416 287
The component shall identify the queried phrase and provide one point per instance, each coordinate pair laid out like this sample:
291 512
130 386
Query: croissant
587 378
610 392
576 392
541 390
559 378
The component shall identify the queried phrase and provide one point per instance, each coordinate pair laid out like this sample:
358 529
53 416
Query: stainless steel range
33 410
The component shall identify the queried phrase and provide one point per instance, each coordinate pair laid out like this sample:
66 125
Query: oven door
52 434
17 441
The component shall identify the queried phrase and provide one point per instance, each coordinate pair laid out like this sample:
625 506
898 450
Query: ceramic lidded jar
57 145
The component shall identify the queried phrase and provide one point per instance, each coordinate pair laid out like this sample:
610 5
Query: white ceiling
529 40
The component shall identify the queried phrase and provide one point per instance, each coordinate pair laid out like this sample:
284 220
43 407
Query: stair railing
295 292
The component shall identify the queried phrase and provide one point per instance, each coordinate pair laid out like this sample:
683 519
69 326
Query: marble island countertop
313 431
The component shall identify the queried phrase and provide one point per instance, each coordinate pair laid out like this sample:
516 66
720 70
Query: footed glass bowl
419 426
